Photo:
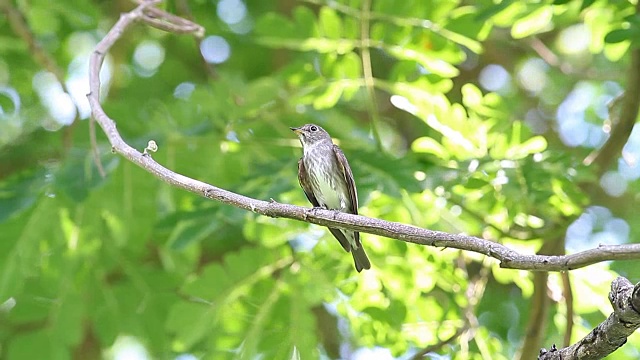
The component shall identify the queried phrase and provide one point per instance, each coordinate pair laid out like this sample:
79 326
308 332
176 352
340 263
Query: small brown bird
326 178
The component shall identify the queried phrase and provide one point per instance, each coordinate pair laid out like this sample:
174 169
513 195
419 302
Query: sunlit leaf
430 146
536 21
430 63
330 23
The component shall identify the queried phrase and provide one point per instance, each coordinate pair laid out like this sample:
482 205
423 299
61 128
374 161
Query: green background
465 117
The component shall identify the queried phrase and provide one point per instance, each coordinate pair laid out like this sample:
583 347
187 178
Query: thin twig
365 53
549 56
94 148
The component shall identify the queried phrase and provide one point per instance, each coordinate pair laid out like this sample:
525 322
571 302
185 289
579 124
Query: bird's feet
313 211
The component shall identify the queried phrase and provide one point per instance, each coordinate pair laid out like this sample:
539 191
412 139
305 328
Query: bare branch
610 334
508 258
568 299
171 23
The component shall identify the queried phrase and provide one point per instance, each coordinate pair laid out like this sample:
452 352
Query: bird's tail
360 258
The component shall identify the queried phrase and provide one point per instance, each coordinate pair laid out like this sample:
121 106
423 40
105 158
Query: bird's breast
326 180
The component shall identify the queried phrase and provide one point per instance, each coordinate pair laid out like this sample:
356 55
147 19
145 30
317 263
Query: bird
327 181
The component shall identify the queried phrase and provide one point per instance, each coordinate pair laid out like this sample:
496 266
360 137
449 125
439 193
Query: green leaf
190 322
586 4
382 172
620 35
330 97
36 345
215 290
306 22
466 30
493 10
192 231
79 174
475 183
471 96
321 45
536 21
429 146
430 63
330 23
533 145
275 25
20 192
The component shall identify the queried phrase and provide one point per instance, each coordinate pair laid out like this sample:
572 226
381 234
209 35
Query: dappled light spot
536 121
184 90
58 103
574 39
186 357
403 103
494 78
420 175
128 348
79 46
233 136
377 353
8 305
231 11
304 242
613 183
9 102
532 75
148 57
78 83
628 166
215 49
573 128
573 132
628 163
596 226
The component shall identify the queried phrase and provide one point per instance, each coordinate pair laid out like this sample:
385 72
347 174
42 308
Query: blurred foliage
91 267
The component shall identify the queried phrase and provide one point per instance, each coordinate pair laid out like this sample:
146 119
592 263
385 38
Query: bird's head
311 134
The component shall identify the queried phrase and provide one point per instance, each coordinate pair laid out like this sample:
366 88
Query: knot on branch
544 351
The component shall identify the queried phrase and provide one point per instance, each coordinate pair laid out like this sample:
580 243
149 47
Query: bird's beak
296 130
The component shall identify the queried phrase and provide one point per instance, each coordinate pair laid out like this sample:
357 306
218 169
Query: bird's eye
314 128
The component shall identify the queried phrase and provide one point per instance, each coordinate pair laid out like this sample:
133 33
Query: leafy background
469 117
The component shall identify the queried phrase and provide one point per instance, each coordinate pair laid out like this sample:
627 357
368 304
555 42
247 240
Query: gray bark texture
610 334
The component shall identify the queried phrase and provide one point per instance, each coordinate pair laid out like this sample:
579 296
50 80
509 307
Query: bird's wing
351 186
348 178
304 183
